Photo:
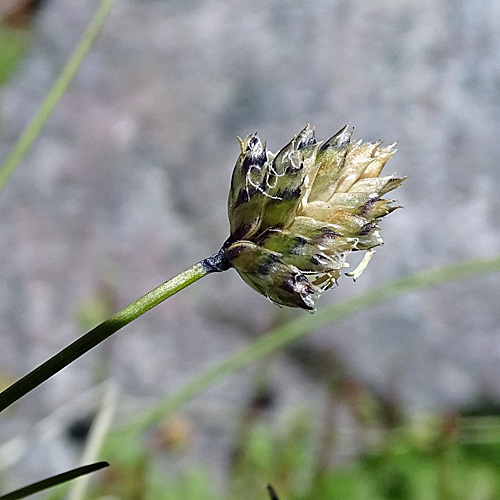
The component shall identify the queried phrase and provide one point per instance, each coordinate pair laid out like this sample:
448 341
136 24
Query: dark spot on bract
309 142
341 139
243 197
265 268
326 235
330 233
366 229
235 250
255 159
318 259
368 205
290 194
253 142
294 167
298 284
260 238
298 245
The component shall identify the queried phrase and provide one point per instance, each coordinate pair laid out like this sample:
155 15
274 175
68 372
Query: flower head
296 215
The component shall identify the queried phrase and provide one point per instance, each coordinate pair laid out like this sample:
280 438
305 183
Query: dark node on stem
272 492
217 262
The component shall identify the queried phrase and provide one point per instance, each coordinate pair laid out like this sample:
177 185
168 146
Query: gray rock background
127 185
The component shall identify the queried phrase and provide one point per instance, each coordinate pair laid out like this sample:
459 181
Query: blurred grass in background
439 457
15 18
13 43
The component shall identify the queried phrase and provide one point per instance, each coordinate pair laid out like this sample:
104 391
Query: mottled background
127 184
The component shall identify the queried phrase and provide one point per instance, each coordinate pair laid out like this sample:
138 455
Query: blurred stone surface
127 185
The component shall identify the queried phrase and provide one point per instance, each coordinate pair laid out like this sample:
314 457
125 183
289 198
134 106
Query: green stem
55 94
104 330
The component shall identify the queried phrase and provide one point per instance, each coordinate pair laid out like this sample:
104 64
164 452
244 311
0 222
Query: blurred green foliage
12 46
446 457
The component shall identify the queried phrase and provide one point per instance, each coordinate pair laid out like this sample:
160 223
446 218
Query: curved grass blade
283 335
54 481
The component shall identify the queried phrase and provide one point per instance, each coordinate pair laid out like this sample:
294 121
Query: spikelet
295 216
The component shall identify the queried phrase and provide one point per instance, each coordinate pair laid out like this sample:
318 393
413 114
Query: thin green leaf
54 481
101 332
55 94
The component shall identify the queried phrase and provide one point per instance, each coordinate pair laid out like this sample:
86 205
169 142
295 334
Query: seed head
295 216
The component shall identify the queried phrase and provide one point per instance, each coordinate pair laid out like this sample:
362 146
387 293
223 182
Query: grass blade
59 88
54 481
101 332
98 433
279 337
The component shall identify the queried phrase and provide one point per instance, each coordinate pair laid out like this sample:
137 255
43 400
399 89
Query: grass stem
57 91
101 333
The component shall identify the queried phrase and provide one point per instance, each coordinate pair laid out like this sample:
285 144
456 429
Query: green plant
294 216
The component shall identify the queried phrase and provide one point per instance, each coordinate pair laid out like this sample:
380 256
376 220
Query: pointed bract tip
339 140
241 143
306 137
